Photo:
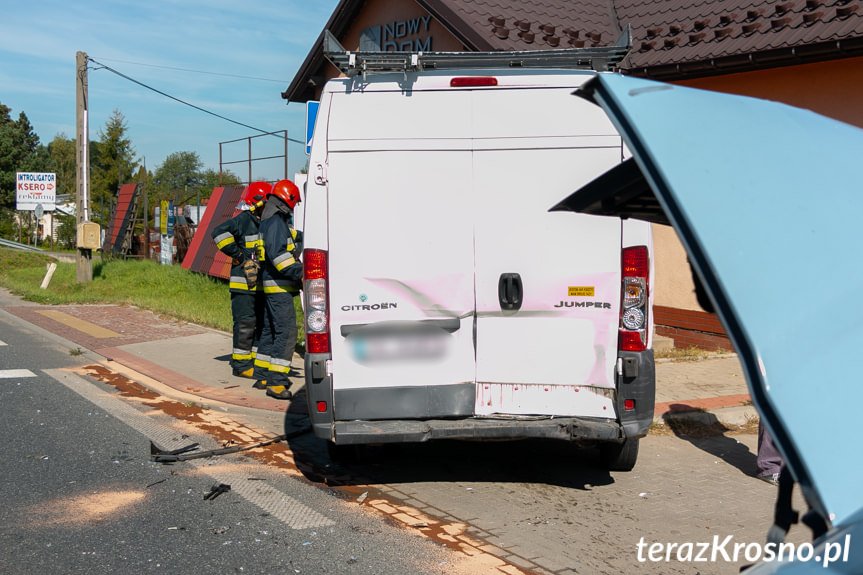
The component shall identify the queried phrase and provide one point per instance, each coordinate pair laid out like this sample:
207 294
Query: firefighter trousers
278 339
247 311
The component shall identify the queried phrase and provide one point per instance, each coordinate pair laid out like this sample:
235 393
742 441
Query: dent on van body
544 399
433 296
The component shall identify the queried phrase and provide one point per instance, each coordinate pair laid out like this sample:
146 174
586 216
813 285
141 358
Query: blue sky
248 52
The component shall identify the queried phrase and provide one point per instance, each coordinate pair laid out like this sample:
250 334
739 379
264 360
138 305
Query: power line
198 71
103 66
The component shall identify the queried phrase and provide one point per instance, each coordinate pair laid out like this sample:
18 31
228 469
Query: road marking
87 327
11 373
267 498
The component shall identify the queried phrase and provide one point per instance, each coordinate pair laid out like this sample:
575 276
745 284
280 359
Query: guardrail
19 246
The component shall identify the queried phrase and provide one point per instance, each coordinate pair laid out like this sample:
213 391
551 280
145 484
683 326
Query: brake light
315 265
315 276
472 82
635 286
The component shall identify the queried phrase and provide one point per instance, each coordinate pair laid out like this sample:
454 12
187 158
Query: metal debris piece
217 490
156 452
180 455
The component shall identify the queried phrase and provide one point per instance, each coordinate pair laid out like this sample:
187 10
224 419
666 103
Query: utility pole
146 215
84 265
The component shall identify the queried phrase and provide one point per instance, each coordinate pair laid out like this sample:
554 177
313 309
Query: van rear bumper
396 431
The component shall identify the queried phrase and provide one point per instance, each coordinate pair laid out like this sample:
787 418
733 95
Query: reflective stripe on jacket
238 238
281 245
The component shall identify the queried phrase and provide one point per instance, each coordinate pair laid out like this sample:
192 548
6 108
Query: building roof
672 39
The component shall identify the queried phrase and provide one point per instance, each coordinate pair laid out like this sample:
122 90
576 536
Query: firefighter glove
251 269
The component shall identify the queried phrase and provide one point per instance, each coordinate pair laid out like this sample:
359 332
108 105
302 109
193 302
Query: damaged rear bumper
566 428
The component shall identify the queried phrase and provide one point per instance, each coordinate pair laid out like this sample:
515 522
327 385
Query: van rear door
401 256
547 284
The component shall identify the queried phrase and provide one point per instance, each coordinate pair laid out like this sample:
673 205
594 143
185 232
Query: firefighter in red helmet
238 238
281 246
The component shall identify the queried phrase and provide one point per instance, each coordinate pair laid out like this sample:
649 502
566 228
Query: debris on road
217 490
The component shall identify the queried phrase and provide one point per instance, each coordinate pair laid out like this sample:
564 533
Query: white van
442 298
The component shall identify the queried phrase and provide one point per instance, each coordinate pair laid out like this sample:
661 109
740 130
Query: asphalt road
80 494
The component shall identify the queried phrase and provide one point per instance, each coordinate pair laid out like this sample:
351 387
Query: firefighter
281 246
238 238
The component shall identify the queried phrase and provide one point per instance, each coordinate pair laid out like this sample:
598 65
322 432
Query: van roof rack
352 64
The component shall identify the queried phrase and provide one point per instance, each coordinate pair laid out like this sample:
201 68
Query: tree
178 177
211 180
61 151
66 231
112 163
18 153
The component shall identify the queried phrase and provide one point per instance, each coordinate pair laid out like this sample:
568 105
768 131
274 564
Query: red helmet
287 191
256 194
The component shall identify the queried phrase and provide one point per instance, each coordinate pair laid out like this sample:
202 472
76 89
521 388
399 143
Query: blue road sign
311 114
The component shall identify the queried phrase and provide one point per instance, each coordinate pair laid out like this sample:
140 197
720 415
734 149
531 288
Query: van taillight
315 276
635 285
472 81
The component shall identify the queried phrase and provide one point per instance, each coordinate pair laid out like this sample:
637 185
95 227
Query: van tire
619 456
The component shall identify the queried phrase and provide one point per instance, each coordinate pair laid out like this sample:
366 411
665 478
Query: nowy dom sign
34 188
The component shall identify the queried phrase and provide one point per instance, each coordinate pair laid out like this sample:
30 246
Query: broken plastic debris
642 494
362 497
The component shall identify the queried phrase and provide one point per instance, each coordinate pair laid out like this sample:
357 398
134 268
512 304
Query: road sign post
38 212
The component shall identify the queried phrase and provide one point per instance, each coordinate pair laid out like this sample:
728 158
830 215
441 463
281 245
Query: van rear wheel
619 456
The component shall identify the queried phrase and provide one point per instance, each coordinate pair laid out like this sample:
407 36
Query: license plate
398 344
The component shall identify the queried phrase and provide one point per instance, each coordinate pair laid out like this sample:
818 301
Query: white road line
12 373
278 504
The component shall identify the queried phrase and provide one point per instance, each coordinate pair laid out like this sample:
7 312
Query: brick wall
691 328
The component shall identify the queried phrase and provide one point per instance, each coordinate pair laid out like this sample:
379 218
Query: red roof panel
202 256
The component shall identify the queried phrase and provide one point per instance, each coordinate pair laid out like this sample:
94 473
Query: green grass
168 290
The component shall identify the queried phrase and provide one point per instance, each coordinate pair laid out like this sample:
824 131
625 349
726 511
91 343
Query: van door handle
510 291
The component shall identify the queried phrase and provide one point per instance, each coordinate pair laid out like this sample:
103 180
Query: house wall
830 88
